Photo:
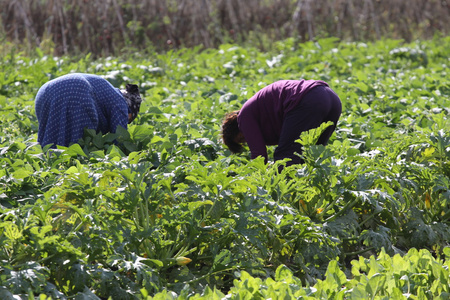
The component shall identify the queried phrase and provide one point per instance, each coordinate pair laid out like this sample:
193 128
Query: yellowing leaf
182 261
428 152
427 200
302 205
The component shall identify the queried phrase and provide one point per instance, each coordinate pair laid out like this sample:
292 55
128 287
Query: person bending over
278 114
66 105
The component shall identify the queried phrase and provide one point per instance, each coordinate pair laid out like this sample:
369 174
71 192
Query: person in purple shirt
278 114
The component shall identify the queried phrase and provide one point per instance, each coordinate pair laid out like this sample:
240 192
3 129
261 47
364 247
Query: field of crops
169 213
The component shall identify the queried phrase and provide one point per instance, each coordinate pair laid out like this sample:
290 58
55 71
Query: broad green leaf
12 232
283 274
21 173
72 170
74 150
195 205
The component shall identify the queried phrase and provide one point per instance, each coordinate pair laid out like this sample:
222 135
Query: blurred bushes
114 27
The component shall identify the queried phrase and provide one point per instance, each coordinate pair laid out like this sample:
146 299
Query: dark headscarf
133 98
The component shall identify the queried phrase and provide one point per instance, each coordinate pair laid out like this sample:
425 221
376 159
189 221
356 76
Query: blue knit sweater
68 104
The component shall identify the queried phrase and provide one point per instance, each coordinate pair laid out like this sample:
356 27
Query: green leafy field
169 213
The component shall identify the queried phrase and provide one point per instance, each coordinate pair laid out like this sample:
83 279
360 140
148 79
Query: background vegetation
111 27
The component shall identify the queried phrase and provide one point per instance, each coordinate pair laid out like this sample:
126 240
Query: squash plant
164 210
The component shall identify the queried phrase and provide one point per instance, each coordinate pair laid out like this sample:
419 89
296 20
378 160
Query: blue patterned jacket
68 104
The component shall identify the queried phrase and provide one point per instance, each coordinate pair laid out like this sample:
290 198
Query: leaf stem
368 219
359 252
204 276
343 210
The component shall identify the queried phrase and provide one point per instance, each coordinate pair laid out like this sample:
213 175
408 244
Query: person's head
133 99
231 135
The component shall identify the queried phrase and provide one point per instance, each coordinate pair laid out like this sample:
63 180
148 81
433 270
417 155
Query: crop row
169 210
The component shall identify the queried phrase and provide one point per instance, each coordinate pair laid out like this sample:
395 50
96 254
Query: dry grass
105 27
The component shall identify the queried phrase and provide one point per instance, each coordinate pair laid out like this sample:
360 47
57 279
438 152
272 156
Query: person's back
65 106
278 114
261 118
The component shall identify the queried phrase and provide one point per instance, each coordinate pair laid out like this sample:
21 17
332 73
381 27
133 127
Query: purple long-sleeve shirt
261 117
